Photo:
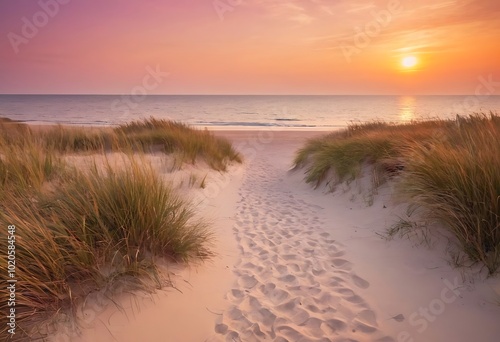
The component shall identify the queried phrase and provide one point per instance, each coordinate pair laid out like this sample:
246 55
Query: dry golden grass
449 168
80 231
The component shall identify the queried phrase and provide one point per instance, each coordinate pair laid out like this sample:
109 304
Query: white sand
296 264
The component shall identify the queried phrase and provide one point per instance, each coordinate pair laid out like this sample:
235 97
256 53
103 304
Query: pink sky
250 46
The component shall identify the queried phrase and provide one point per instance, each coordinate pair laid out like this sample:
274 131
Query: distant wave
286 119
248 113
256 124
68 122
282 122
231 123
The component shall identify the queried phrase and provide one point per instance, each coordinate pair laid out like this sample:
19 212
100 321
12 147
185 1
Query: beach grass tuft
82 230
447 168
147 135
173 136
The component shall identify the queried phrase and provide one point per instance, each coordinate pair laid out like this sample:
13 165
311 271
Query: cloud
359 7
298 11
425 26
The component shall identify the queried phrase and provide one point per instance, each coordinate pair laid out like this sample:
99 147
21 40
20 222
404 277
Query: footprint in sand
247 281
342 264
360 282
293 280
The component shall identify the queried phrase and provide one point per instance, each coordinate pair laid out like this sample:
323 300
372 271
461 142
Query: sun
409 61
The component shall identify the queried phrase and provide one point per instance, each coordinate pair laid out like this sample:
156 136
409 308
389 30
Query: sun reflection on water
407 105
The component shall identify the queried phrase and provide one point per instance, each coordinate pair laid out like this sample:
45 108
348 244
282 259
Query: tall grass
457 181
132 210
448 168
146 135
178 137
72 139
341 155
50 260
27 168
84 230
94 228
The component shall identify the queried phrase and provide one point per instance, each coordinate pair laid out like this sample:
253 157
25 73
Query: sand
298 264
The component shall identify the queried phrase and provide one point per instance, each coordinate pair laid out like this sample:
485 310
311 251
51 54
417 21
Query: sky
249 47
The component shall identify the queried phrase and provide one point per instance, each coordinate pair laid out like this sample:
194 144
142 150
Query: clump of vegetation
177 137
448 168
130 209
457 181
146 135
75 139
82 230
341 155
27 168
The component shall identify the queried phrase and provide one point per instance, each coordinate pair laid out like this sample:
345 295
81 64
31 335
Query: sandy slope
296 264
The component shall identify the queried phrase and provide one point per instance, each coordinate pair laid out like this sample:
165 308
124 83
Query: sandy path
294 282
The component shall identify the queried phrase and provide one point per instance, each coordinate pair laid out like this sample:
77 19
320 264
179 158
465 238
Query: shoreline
199 127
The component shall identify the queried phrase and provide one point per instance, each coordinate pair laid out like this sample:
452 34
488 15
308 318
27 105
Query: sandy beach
298 264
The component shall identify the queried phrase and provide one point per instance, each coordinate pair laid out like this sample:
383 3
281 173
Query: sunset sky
249 46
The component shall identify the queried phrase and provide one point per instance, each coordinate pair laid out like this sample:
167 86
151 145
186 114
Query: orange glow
253 47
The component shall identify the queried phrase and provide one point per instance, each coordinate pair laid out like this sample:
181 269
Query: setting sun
409 61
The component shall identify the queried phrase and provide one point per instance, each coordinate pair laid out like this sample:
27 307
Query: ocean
234 111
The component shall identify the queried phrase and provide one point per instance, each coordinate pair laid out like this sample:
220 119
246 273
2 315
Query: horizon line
193 94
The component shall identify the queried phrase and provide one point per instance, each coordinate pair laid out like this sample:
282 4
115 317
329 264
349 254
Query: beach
295 263
250 171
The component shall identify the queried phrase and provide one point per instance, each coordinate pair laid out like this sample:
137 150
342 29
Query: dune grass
83 230
178 137
130 209
73 139
147 135
340 156
27 168
448 168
